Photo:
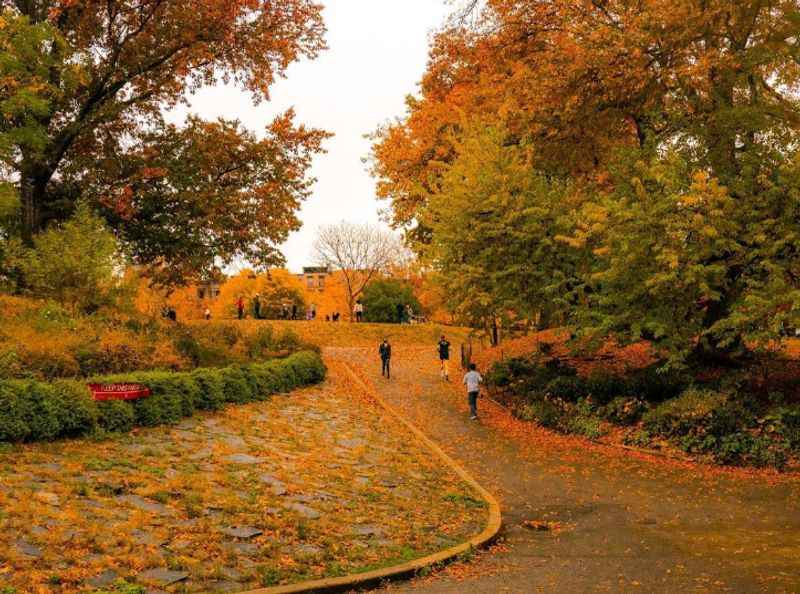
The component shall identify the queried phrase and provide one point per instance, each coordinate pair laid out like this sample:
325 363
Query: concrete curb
409 568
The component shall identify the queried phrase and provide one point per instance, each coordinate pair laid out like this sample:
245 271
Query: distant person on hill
358 310
294 311
207 314
473 381
444 357
240 307
385 351
401 313
257 307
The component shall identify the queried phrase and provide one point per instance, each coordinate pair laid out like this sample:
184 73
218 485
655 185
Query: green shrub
79 413
235 386
166 404
499 375
31 410
525 375
50 364
116 416
302 369
567 387
586 426
268 377
211 392
656 384
42 408
253 385
11 367
740 448
638 438
13 427
697 413
604 387
784 423
191 394
625 410
542 412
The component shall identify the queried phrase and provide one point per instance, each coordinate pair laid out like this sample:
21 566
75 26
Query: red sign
119 391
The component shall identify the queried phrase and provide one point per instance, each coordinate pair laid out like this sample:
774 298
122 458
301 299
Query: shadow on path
624 522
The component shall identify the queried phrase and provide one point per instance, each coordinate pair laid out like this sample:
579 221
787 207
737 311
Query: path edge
408 568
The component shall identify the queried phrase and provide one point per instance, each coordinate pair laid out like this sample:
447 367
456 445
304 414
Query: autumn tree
107 71
675 125
275 289
359 252
201 194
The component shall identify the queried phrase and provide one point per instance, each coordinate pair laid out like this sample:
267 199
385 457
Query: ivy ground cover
319 483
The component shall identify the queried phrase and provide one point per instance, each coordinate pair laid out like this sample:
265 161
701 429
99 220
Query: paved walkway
623 522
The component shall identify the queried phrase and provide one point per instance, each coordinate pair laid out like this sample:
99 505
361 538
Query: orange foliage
272 289
608 357
40 340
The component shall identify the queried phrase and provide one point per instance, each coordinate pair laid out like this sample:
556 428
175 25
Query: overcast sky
378 51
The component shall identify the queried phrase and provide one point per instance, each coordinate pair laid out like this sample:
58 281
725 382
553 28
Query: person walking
473 381
257 307
358 310
385 351
444 358
240 307
207 314
294 311
401 313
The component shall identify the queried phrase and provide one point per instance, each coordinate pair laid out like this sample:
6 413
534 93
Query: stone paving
316 484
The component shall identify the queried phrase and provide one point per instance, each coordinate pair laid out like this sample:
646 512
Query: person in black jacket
385 351
444 358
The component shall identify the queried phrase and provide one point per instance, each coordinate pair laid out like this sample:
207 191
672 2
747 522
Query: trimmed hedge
37 411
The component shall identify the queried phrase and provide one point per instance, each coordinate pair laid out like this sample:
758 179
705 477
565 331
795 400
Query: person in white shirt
473 381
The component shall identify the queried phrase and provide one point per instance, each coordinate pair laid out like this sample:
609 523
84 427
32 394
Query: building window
321 282
310 280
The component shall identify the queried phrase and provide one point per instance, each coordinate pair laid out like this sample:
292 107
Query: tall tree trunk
708 351
31 198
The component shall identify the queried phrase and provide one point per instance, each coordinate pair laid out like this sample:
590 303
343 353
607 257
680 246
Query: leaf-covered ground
318 483
580 517
345 334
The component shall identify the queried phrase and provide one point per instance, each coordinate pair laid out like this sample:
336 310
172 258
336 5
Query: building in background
314 278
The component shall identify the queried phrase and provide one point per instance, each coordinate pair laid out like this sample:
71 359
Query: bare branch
359 252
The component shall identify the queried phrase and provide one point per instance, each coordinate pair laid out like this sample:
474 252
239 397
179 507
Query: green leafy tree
25 94
381 298
74 263
683 261
495 226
